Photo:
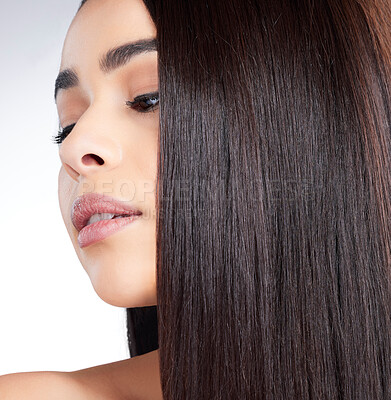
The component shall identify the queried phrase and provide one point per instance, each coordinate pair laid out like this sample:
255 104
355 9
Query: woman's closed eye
144 103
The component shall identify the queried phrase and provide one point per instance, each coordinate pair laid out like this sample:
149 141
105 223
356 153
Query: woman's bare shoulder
40 386
134 378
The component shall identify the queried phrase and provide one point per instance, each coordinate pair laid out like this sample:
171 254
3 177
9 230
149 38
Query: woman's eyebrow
113 59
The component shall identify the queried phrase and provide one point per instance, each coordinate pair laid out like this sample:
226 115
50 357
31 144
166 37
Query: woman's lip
100 230
85 206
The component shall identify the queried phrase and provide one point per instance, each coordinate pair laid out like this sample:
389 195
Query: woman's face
112 149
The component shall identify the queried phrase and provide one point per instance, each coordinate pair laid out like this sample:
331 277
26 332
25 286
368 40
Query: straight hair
274 211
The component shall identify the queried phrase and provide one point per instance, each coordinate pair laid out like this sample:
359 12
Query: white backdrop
51 319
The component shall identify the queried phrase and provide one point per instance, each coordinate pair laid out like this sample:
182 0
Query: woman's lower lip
100 230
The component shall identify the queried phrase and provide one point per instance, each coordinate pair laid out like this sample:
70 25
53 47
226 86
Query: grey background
51 318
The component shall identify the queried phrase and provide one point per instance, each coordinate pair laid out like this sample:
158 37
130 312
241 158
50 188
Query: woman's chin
126 300
122 268
118 294
123 281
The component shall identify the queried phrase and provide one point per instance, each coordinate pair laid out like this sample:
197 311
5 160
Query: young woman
228 162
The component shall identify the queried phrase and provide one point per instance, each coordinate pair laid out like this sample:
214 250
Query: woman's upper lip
85 206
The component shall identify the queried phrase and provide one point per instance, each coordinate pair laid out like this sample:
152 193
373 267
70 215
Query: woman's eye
61 135
145 103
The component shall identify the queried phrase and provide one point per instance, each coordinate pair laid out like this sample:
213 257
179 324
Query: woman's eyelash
144 103
62 134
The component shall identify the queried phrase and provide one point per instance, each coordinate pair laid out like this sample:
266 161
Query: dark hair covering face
273 239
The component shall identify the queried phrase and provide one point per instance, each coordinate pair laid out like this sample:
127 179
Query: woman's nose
86 152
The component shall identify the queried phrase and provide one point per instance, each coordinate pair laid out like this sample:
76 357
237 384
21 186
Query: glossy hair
274 216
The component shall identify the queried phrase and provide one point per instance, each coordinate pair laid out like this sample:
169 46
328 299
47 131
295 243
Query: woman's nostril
90 159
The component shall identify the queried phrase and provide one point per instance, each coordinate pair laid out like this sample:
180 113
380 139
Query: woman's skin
122 266
135 378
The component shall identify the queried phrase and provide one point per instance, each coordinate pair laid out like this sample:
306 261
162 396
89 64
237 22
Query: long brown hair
274 224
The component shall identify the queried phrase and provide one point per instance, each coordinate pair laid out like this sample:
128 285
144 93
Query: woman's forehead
99 26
